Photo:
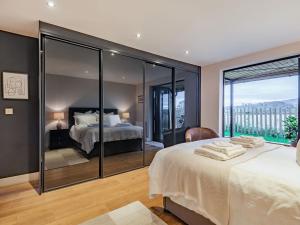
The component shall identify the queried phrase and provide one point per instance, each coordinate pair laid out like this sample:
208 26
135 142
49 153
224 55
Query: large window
262 100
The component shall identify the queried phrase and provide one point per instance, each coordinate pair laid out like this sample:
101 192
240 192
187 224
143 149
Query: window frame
232 92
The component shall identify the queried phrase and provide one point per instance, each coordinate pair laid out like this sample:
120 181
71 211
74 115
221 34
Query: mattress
88 136
262 187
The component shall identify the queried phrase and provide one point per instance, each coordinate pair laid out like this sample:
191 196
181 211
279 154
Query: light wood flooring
112 165
21 205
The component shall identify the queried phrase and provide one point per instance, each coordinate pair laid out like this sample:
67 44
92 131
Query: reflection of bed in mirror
118 138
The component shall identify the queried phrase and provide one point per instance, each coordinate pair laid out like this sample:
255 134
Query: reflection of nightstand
59 138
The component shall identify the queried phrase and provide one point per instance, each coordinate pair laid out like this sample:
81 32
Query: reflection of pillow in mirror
86 119
114 120
106 120
81 113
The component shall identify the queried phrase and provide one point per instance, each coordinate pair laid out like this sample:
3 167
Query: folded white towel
223 144
219 155
248 145
248 141
227 149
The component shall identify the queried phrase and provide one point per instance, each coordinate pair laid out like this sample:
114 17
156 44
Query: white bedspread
88 136
216 189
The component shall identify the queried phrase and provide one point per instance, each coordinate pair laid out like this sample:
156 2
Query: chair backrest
199 133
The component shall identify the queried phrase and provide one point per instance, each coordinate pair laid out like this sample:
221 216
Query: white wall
212 81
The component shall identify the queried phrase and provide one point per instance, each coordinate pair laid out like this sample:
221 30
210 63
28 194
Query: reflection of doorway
162 111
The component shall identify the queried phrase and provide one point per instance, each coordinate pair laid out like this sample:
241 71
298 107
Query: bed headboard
72 111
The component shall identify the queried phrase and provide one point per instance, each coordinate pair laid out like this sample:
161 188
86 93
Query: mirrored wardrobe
71 113
105 112
123 128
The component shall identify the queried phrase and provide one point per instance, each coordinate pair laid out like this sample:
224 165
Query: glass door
186 103
123 113
158 109
71 125
162 112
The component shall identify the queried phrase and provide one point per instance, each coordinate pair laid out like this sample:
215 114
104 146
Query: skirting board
186 215
25 178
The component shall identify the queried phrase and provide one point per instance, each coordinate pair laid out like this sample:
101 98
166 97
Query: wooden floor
21 205
85 171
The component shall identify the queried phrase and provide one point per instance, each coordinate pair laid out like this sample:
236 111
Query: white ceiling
212 30
73 61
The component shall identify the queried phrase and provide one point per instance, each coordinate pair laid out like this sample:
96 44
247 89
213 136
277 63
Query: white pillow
86 119
106 120
114 120
111 120
80 113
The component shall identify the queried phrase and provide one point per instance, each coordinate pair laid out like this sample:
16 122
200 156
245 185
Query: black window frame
232 92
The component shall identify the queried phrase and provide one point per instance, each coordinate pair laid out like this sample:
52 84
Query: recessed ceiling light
86 71
187 52
112 54
51 4
153 65
138 35
123 77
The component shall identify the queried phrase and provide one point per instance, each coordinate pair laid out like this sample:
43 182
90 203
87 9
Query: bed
261 187
117 140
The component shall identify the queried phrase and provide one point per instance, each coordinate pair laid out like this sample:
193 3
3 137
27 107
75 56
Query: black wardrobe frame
53 32
231 82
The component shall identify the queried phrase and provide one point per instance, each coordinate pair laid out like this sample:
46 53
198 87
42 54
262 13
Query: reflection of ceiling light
123 77
112 54
51 4
86 71
187 52
138 35
153 65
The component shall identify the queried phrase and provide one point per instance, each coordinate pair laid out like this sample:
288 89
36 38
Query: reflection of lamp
58 116
126 116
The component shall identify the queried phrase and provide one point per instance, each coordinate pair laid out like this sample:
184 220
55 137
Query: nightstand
59 139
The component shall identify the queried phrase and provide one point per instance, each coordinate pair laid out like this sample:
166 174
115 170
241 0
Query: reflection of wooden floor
112 165
21 205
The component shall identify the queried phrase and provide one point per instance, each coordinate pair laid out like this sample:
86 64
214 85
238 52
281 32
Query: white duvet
88 136
261 187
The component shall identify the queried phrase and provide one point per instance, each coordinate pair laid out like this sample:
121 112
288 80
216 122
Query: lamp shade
126 115
58 116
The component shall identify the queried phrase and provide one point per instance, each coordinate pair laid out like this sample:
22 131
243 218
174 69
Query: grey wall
122 97
63 92
19 132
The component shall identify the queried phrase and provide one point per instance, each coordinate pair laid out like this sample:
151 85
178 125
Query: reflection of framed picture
140 99
15 85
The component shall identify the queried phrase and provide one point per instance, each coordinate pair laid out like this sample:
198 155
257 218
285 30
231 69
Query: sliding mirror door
186 103
71 142
122 113
158 109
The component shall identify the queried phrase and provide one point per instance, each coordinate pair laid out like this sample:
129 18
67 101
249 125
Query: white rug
155 144
63 157
132 214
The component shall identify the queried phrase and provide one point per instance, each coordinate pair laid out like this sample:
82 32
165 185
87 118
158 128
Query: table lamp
58 116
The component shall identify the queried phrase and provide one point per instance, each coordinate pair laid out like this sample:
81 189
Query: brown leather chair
199 133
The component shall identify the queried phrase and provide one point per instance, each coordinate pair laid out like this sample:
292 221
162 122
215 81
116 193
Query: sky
263 91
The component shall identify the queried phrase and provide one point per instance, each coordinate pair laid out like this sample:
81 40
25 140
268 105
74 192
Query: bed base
188 216
112 148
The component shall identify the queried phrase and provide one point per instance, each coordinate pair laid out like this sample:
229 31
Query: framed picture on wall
15 85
